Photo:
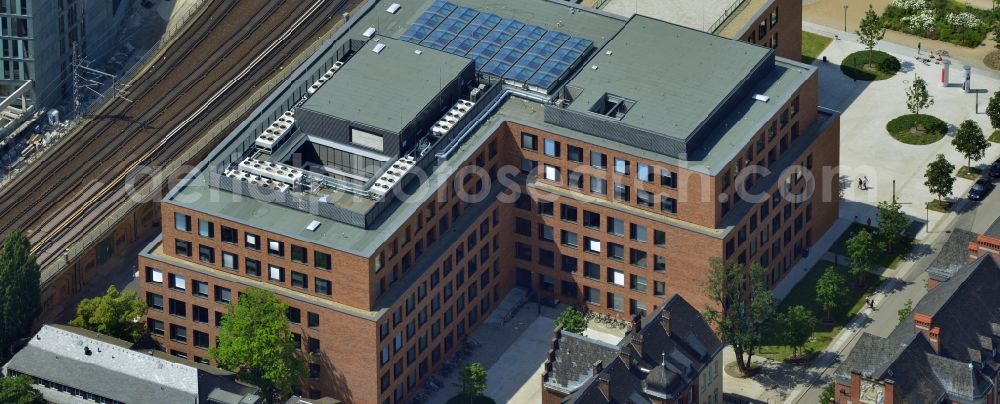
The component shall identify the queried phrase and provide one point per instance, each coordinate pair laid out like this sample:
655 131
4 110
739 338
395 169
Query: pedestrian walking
869 221
871 304
861 183
918 48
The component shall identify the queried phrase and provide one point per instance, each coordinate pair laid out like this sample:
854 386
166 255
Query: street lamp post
845 17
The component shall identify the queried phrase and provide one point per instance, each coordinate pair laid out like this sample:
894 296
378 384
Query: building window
154 276
598 185
252 241
598 160
229 235
253 267
638 308
177 282
621 166
314 371
299 254
637 257
569 238
206 228
230 261
552 148
591 220
322 260
522 226
206 254
276 273
568 264
616 226
616 302
592 295
659 238
645 198
522 251
199 288
223 295
528 165
314 320
637 232
774 17
623 192
294 315
574 153
323 287
591 270
154 301
200 339
529 141
552 173
637 283
575 179
182 248
300 280
659 288
616 277
199 314
276 248
178 333
545 232
659 263
155 326
546 258
182 222
668 178
668 204
592 245
616 251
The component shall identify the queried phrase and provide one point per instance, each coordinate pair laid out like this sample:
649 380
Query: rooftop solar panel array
505 48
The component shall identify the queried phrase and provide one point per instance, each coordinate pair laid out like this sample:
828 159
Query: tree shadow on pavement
782 376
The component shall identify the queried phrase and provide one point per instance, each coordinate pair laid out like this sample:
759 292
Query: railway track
228 50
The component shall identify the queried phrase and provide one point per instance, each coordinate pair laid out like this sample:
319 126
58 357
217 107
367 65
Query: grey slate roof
673 360
105 366
953 255
967 310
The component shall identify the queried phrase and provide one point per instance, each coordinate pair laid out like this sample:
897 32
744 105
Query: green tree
828 394
905 311
18 390
993 108
892 225
472 380
796 324
970 141
830 291
116 314
571 320
20 295
861 250
917 97
256 344
741 307
939 179
870 31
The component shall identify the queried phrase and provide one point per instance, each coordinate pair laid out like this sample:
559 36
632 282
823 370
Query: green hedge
933 129
886 65
942 30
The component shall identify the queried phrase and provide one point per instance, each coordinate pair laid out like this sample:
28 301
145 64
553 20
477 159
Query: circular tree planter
464 399
733 370
918 130
870 66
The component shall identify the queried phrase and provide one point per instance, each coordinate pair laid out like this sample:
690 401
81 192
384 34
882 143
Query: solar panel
428 21
449 28
475 31
536 56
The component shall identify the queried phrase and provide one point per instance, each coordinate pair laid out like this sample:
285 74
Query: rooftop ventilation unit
326 76
393 8
274 171
369 32
273 135
257 180
761 97
378 48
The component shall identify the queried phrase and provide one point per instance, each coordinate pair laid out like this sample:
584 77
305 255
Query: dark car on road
995 169
980 189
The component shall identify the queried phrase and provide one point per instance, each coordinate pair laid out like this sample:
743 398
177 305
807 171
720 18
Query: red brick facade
777 26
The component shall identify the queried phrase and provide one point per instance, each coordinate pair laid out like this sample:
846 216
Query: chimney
626 357
855 385
889 391
637 344
596 368
665 321
934 335
603 385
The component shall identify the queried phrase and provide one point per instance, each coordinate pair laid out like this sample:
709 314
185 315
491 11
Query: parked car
995 169
980 189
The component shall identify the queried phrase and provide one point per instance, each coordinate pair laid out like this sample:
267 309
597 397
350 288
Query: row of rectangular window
230 235
553 148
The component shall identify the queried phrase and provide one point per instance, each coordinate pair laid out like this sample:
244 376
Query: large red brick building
437 154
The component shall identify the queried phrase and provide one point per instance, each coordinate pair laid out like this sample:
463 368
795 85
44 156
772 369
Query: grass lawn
918 130
876 65
813 45
804 294
995 137
969 173
884 260
939 206
463 399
